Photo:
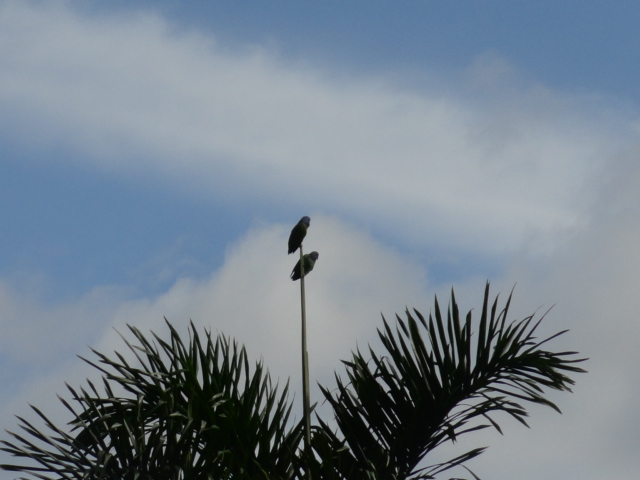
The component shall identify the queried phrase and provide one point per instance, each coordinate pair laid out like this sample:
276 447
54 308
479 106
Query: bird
298 233
309 262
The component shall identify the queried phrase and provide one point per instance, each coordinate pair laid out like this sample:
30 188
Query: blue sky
155 155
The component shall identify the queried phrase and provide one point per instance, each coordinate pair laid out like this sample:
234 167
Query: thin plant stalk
306 408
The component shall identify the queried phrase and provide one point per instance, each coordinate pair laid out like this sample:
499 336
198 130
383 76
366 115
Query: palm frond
190 410
438 380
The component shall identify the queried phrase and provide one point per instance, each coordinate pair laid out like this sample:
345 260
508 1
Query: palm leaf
193 410
435 382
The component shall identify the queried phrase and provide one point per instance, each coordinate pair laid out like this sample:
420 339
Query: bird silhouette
298 233
309 262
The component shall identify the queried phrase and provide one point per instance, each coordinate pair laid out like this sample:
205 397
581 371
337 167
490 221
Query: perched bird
298 233
309 262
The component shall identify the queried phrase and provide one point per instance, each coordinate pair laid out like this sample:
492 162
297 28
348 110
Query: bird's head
306 220
314 255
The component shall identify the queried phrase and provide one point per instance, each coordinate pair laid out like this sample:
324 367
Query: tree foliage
188 411
196 410
436 381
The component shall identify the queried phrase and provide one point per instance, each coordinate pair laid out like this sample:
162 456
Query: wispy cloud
482 170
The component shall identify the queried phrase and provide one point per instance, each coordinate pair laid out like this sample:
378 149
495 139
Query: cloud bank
355 280
483 168
251 299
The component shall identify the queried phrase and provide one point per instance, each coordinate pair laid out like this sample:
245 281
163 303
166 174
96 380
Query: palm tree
197 411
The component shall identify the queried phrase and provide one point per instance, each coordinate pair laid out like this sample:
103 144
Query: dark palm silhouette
198 410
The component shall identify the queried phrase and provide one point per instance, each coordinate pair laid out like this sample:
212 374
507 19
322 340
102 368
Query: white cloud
36 332
479 170
593 282
251 298
356 278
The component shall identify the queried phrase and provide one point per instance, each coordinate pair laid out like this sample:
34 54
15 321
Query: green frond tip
439 377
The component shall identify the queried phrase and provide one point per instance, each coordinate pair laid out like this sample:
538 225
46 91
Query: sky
154 157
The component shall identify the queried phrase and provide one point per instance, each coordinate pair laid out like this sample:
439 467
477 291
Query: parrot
309 262
298 233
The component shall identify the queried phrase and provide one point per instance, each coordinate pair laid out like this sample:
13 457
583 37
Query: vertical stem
306 409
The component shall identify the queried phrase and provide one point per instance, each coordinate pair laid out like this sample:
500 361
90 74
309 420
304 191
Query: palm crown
197 410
